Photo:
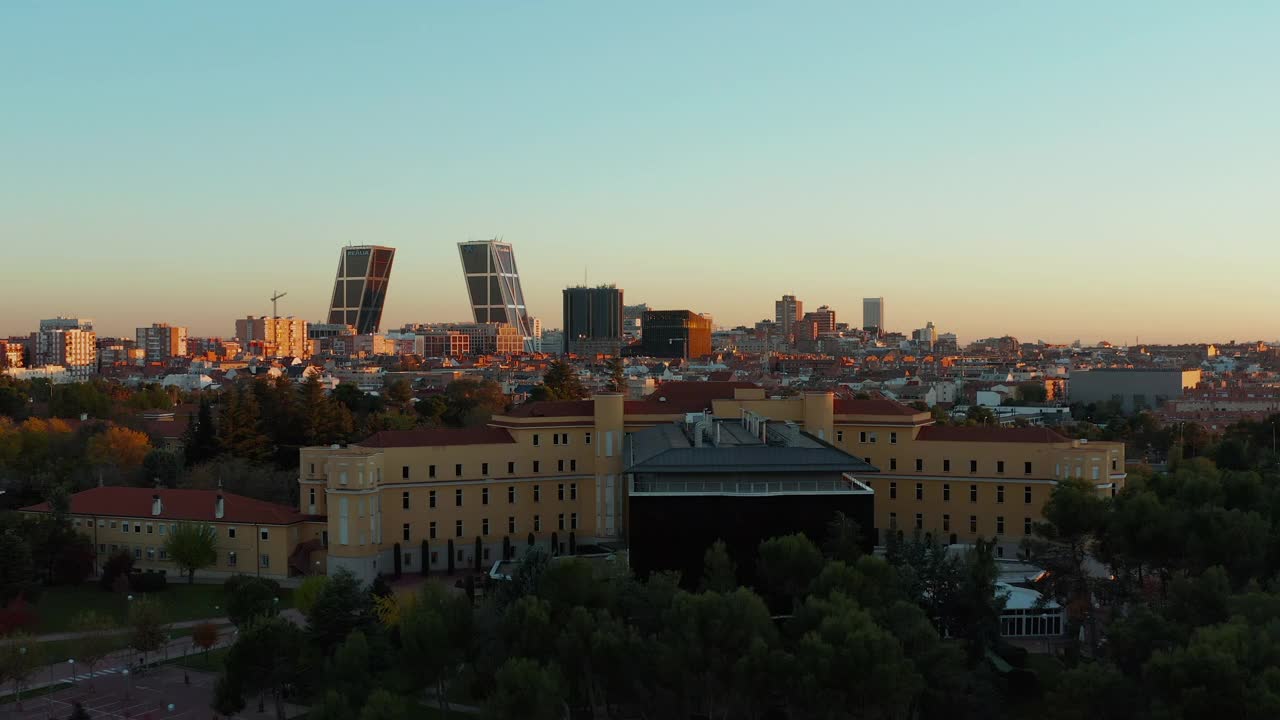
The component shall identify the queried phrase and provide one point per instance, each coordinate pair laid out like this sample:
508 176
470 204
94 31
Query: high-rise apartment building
12 353
676 334
633 319
69 342
873 314
360 290
162 341
592 320
273 337
786 312
493 285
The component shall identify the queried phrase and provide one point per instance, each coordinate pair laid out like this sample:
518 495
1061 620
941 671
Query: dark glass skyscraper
676 334
493 285
360 290
593 320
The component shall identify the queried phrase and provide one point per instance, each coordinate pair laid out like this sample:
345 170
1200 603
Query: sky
1048 170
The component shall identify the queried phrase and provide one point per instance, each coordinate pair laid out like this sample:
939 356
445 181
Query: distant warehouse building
1134 389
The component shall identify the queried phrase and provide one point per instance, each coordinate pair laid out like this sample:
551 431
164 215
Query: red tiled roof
437 436
554 408
177 505
695 396
880 406
960 433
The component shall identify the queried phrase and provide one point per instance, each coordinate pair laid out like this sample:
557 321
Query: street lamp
128 677
72 663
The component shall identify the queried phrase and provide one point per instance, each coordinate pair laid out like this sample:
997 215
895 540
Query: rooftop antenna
275 298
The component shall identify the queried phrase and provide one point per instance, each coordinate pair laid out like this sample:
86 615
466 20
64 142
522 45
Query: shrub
120 563
18 615
235 582
146 582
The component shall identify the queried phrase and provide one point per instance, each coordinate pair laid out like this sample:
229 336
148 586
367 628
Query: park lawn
58 605
59 650
29 694
199 661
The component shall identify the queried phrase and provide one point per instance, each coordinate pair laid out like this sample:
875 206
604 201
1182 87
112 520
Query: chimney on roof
219 507
157 507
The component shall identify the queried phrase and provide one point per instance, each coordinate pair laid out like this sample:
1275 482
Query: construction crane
275 296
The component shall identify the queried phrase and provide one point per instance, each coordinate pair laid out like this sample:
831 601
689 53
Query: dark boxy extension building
593 320
360 290
676 334
740 481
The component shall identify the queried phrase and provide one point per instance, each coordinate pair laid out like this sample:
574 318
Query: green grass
1047 668
199 661
28 694
58 650
58 606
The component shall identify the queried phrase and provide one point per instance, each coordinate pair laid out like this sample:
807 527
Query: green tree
616 367
435 634
1074 515
788 566
96 638
17 571
162 466
20 657
266 658
147 630
383 705
332 706
400 391
253 599
238 425
342 607
1092 691
719 572
561 382
324 421
192 547
525 689
348 670
200 442
470 402
228 696
307 592
844 539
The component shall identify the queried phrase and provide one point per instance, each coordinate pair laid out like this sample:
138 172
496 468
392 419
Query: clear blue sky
1053 170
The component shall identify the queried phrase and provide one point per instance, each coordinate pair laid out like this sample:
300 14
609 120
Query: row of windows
868 437
405 501
127 526
946 492
973 523
458 470
946 465
459 529
264 561
560 438
152 552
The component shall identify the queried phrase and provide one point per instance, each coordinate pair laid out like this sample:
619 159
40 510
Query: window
408 559
560 491
946 466
484 468
263 533
559 466
555 438
313 468
919 521
342 478
457 529
973 523
485 554
872 437
404 500
561 520
1026 526
587 438
537 493
484 526
893 490
999 466
460 555
511 468
973 493
1026 468
919 491
435 557
573 521
102 548
862 437
431 471
511 524
431 530
1095 472
893 463
839 436
161 529
457 497
431 498
973 466
564 438
535 465
164 554
511 495
999 524
484 496
537 523
311 496
893 438
457 470
1026 494
151 554
946 523
124 527
573 465
946 492
919 465
404 532
536 440
265 561
404 472
573 491
231 533
151 530
1113 466
114 547
113 524
893 521
231 559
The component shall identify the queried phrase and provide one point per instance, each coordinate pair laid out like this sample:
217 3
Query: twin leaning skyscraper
488 267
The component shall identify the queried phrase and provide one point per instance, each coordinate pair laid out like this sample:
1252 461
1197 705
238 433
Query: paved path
54 637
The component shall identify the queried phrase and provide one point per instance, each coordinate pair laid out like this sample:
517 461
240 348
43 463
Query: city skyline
1054 173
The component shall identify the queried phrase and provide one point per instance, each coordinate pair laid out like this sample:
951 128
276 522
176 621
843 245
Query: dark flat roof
669 449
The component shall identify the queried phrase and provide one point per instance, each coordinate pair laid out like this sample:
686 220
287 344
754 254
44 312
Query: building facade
676 334
493 285
274 336
360 288
873 314
592 320
162 341
786 313
69 343
1134 389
